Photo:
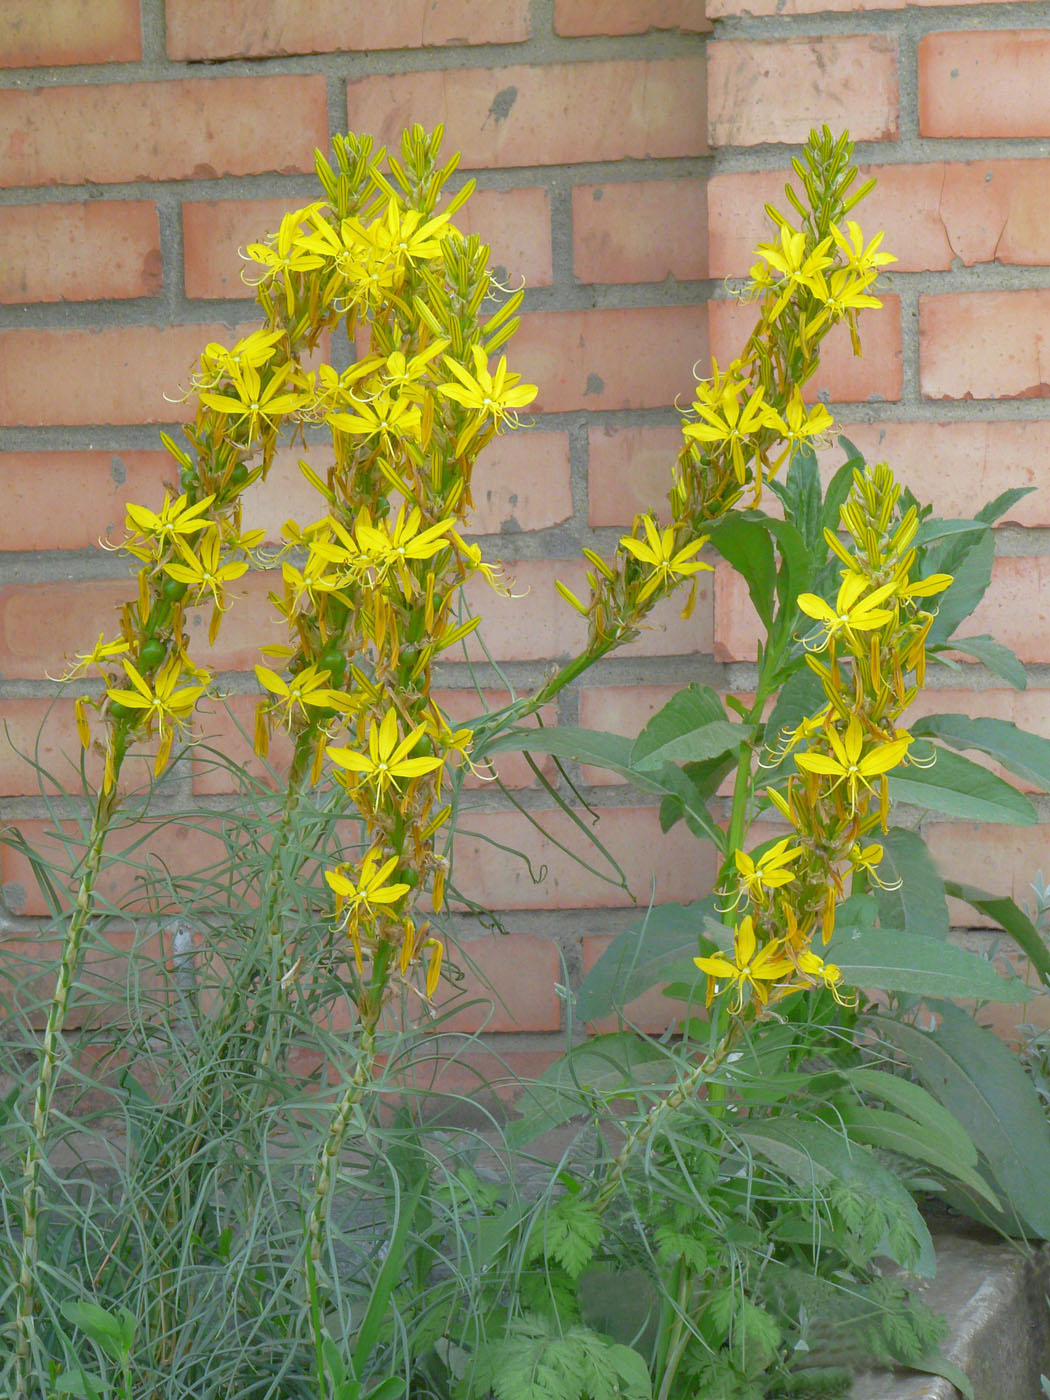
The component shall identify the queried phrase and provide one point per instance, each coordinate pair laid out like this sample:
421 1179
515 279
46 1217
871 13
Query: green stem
352 1095
47 1078
678 1336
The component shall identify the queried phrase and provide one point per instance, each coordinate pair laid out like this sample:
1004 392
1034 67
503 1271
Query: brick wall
622 155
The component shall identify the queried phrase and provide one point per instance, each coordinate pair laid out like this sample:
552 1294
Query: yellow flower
751 966
165 705
99 653
309 687
769 872
730 425
252 402
382 417
851 611
860 258
354 901
205 570
388 758
827 974
175 518
280 255
490 396
658 551
851 764
797 267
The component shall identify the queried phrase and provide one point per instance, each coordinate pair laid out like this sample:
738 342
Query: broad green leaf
115 1335
918 1103
743 540
1000 660
981 1082
800 494
934 529
639 957
611 751
990 513
972 575
390 1389
796 571
605 1066
1012 918
894 1132
813 1153
1025 754
691 727
934 1364
960 788
890 960
919 904
689 788
386 1280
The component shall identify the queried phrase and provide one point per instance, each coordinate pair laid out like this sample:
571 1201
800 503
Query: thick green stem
352 1095
47 1078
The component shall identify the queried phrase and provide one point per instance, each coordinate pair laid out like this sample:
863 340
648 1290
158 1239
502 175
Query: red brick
507 984
985 83
645 231
843 377
69 500
41 732
182 849
536 623
447 1074
737 627
675 865
239 29
616 357
542 625
629 472
184 129
101 376
551 114
465 706
42 33
228 726
521 481
957 467
984 345
619 709
79 252
974 211
1016 608
999 859
719 9
777 90
577 17
42 625
515 224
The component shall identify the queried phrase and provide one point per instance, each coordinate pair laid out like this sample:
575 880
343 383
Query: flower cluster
868 651
369 589
747 419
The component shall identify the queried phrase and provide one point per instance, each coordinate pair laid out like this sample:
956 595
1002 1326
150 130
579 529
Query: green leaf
1022 753
981 1082
688 790
960 788
972 575
611 751
892 961
800 493
84 1384
605 1066
894 1132
919 905
814 1154
568 1232
390 1389
919 1104
386 1280
840 484
115 1335
934 1364
687 731
639 957
1000 660
743 540
990 513
1011 918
